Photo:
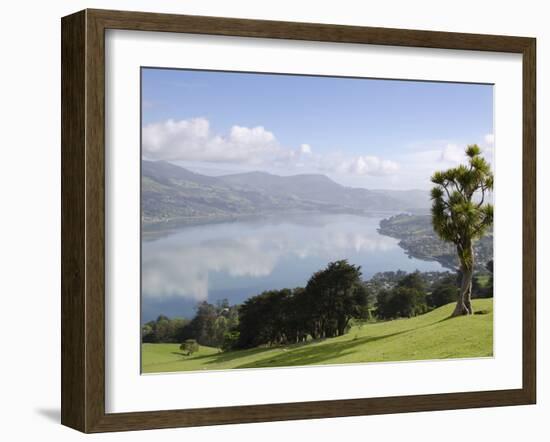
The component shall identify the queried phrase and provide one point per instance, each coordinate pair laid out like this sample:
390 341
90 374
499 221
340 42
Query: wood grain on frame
83 220
73 391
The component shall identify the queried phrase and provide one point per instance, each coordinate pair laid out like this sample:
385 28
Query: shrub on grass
189 347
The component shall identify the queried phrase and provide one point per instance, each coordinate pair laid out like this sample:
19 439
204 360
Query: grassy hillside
172 194
430 336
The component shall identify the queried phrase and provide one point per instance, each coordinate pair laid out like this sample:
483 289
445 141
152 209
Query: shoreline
417 239
151 230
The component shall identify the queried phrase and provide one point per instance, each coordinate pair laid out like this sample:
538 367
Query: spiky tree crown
459 211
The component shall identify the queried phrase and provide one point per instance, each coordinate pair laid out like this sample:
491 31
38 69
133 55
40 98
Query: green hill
172 194
431 336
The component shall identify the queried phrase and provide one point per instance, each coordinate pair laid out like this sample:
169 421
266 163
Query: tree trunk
464 302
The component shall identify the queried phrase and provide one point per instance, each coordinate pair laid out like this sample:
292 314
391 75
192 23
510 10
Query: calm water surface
240 259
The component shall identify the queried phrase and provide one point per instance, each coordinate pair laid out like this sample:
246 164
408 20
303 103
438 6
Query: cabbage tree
461 215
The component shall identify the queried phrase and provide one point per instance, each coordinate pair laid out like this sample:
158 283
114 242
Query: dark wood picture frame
83 220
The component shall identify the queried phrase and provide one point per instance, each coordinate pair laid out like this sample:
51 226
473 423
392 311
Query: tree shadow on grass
222 357
177 353
476 313
318 354
446 318
229 356
301 355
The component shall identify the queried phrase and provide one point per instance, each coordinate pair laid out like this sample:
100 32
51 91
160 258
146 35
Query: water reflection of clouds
180 265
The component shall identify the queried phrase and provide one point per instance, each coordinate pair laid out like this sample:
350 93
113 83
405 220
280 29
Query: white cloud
438 155
488 149
305 149
192 140
367 165
453 153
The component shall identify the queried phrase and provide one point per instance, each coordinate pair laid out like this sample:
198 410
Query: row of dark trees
323 309
210 326
411 296
163 330
332 298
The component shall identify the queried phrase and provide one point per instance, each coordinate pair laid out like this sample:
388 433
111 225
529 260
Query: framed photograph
268 220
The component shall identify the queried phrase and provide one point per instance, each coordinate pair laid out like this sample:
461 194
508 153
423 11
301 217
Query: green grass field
431 336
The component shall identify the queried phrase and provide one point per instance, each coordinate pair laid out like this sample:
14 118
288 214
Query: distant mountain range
174 194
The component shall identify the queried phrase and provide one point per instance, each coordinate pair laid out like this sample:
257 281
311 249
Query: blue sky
361 132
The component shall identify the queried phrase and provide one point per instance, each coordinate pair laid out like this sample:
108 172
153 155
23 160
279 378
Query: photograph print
298 220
